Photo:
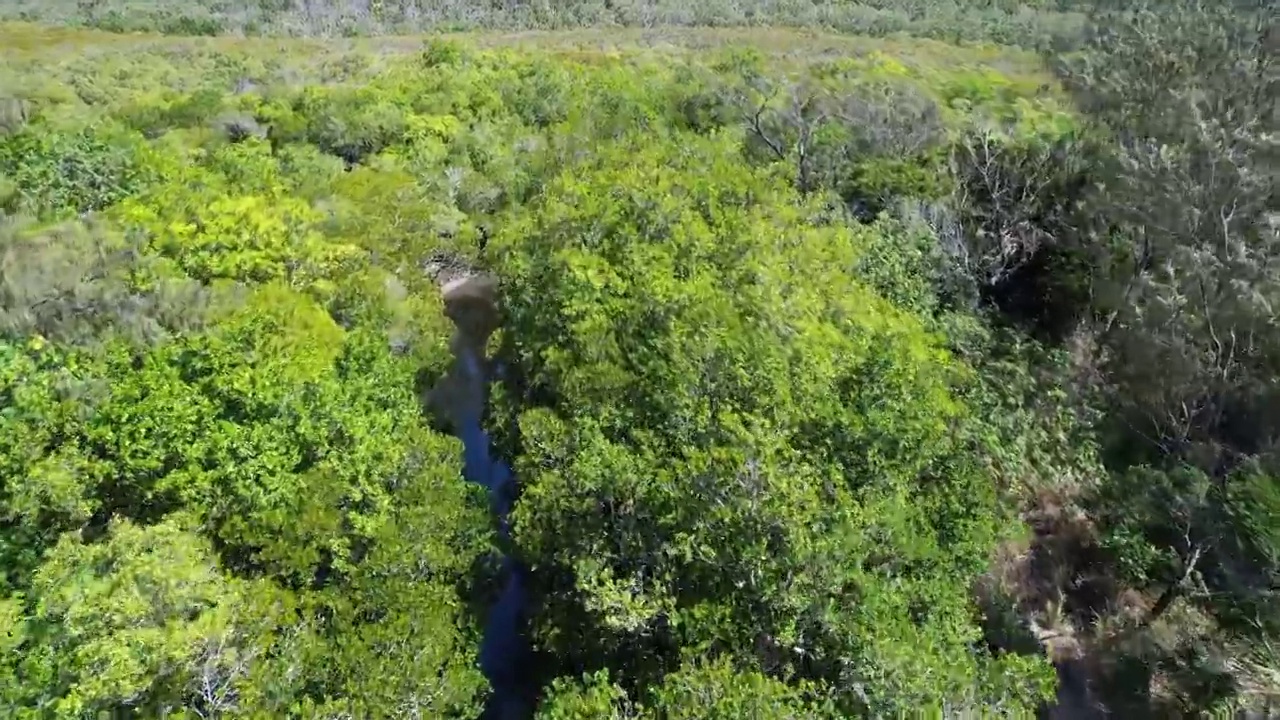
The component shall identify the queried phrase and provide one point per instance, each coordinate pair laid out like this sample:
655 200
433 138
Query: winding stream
461 397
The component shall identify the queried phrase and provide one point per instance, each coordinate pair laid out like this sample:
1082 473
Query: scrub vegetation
842 374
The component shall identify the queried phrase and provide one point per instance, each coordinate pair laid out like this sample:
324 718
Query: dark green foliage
58 173
1179 237
346 123
1019 205
183 111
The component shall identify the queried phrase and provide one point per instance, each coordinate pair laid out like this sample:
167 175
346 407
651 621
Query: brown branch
758 129
1176 589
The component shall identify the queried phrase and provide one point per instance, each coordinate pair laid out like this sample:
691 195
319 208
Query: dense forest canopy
840 375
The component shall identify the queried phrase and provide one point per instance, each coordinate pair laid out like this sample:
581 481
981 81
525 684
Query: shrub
60 173
650 313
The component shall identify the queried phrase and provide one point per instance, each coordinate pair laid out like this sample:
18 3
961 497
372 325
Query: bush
679 410
59 173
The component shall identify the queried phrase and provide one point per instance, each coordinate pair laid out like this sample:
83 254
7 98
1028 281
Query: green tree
1183 284
754 452
713 690
270 449
142 620
57 173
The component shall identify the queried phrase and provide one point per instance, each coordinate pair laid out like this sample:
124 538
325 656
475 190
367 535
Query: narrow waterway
461 398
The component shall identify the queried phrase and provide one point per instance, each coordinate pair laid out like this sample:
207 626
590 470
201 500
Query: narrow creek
461 396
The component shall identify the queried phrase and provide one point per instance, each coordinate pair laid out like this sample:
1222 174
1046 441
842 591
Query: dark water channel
504 654
461 396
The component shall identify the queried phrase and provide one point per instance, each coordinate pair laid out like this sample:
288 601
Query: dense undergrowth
829 372
1014 22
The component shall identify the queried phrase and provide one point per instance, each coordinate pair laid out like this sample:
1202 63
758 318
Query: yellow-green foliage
709 366
733 420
